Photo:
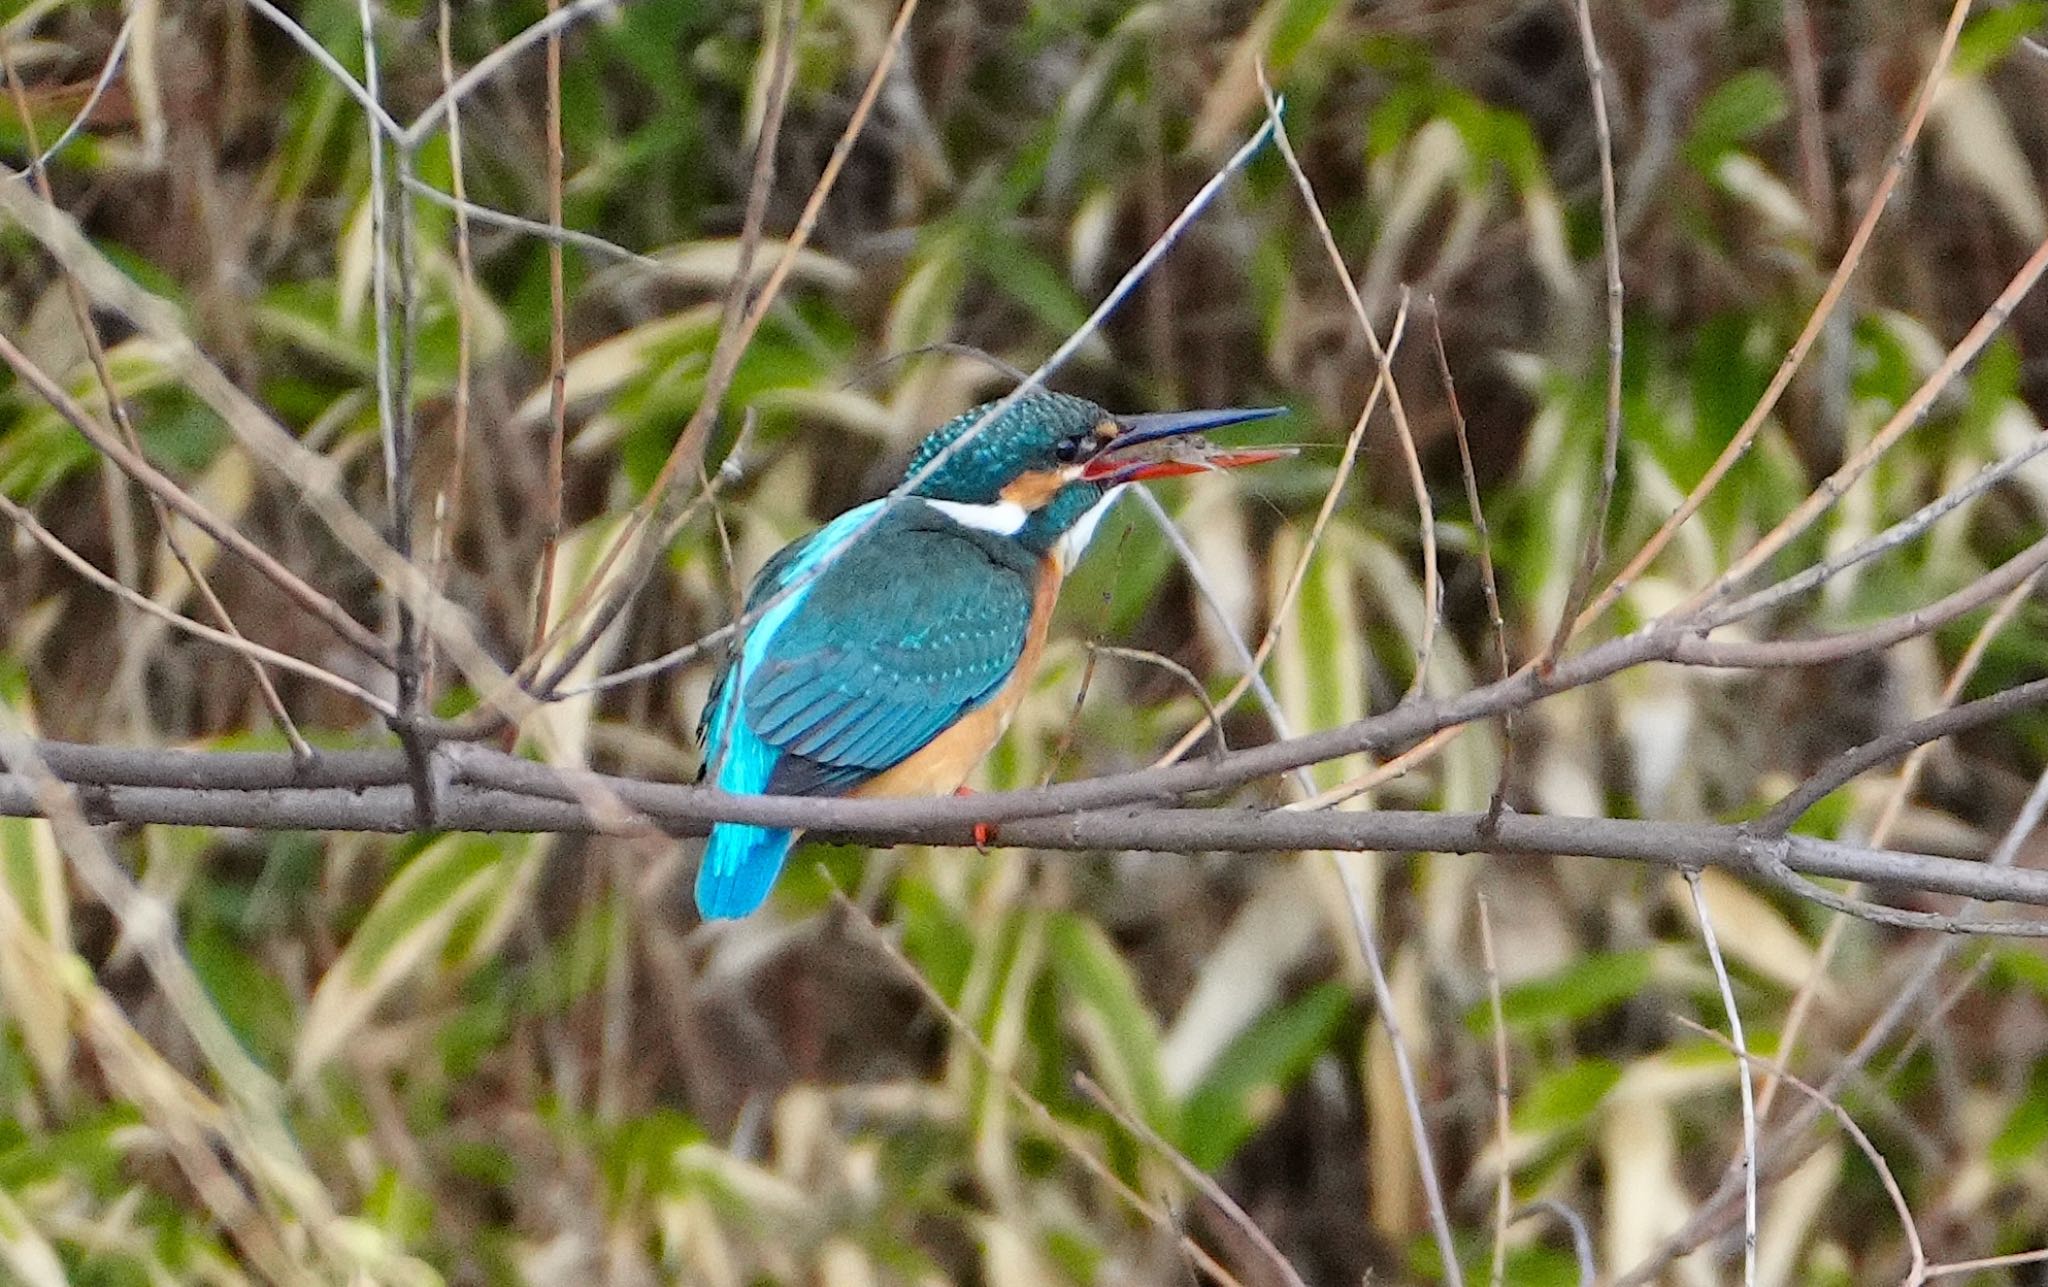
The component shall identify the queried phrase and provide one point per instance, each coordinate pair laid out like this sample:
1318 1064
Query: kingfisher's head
1049 465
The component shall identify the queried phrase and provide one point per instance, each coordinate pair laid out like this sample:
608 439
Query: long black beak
1159 425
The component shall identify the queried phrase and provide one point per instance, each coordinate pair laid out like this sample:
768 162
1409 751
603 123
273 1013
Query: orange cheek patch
1033 490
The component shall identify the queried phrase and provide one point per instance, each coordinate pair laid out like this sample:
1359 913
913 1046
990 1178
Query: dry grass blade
1204 1184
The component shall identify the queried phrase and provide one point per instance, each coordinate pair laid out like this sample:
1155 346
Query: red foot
984 832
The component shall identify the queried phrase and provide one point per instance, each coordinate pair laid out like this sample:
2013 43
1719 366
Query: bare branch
1848 765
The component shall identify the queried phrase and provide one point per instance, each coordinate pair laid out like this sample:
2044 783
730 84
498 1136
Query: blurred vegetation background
483 1059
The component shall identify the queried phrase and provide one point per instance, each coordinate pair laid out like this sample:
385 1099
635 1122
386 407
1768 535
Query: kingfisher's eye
1068 450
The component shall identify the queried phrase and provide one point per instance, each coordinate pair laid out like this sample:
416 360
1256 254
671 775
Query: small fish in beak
1168 445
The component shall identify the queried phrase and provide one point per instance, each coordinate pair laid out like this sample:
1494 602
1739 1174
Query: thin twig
394 398
108 71
1171 667
81 313
1503 1189
1989 1262
1194 1175
1610 241
1425 515
1298 576
357 90
1575 1228
1379 775
424 125
1739 445
558 344
1072 1141
1487 581
1779 1072
233 642
1747 1087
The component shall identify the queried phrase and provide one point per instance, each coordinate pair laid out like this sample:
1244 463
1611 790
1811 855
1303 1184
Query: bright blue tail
740 866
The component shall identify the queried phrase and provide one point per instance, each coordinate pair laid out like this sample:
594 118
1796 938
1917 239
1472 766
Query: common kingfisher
892 668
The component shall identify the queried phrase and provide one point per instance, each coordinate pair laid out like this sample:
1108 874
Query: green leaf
1565 1097
1103 1004
1994 33
2025 1133
1246 1083
1742 107
1025 277
1593 984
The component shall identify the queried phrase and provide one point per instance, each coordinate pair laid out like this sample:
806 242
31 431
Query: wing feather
917 623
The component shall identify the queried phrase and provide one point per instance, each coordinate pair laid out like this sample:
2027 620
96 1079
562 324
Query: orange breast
941 765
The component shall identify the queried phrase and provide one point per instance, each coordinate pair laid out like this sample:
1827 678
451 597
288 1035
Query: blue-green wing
915 624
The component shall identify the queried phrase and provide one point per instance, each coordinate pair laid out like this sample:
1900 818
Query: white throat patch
1004 518
1075 542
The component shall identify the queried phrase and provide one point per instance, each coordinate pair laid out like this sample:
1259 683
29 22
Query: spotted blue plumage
916 622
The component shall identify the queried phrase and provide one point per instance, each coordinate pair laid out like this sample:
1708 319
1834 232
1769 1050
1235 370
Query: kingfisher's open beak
1163 445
